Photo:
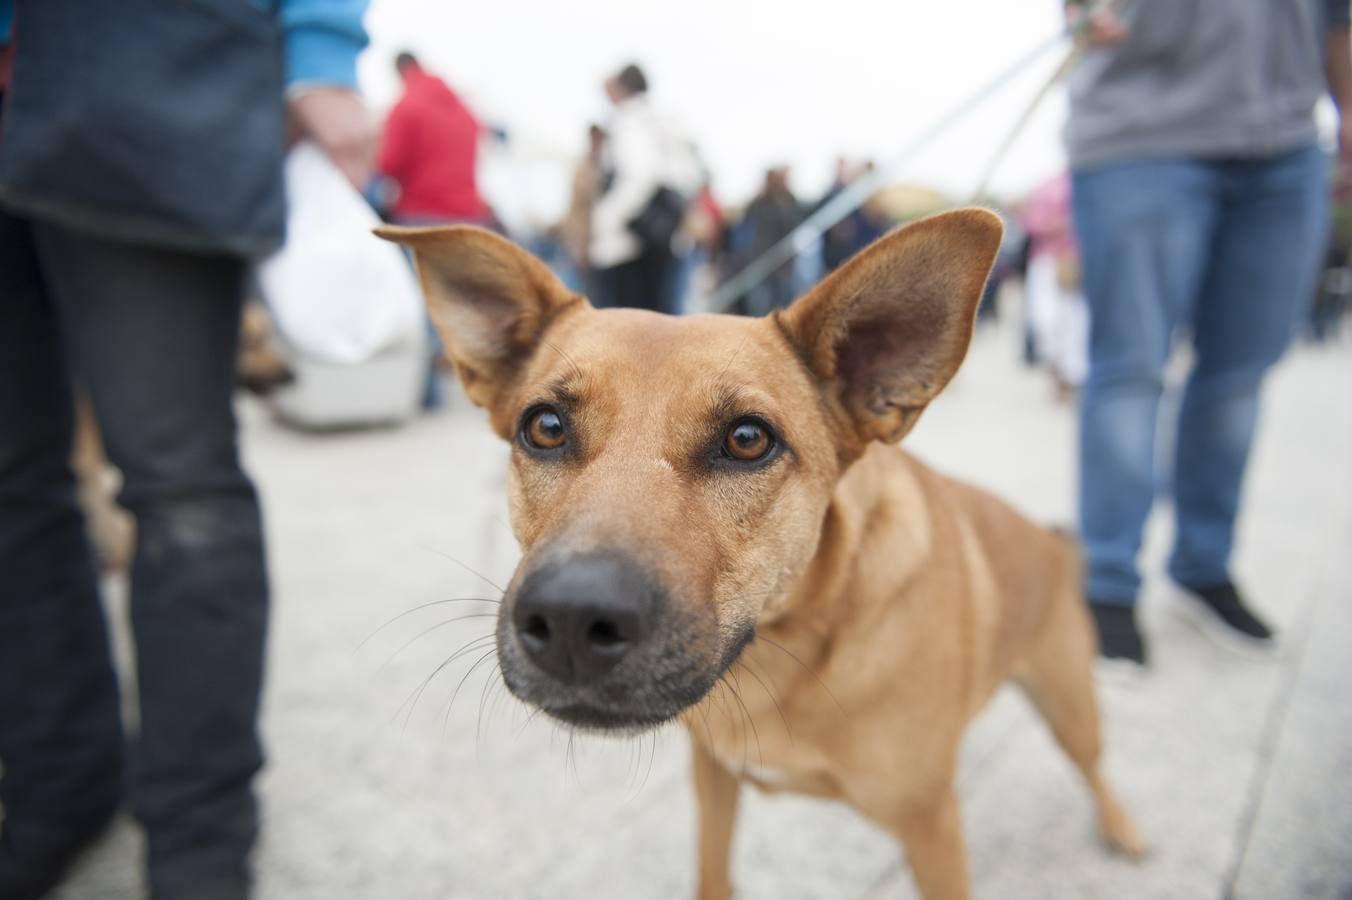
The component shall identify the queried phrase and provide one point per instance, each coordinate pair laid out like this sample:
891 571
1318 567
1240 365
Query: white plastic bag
337 293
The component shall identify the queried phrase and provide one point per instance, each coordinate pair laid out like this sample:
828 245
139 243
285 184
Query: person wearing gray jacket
1201 207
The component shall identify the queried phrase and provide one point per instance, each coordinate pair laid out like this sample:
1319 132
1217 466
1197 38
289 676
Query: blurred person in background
771 216
429 148
140 171
1200 203
429 151
647 175
703 234
865 223
1055 308
574 230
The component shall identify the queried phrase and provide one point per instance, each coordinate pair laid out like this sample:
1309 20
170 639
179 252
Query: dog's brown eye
748 441
544 430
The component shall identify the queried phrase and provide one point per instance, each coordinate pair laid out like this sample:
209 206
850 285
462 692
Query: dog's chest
757 745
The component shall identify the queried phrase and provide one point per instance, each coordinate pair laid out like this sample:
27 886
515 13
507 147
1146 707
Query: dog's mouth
644 693
596 718
595 640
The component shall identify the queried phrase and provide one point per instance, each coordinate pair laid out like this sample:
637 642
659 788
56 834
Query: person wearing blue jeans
140 170
1201 206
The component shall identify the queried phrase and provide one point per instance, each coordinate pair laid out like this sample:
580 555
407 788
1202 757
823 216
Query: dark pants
642 282
152 336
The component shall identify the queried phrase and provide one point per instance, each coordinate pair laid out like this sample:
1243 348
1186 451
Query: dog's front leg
716 792
935 848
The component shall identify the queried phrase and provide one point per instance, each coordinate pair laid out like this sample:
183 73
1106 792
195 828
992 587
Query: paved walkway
1241 773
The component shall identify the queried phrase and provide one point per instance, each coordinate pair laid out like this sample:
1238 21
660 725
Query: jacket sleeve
323 38
1338 12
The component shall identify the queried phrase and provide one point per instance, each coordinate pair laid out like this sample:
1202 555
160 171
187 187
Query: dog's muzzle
592 639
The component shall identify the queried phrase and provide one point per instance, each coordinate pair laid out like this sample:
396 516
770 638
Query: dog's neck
858 514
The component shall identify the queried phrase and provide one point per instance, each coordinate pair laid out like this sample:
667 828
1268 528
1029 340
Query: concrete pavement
1240 772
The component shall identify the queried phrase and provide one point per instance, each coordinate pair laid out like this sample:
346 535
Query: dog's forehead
646 345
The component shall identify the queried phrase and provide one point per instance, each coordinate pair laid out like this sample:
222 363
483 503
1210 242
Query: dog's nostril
537 628
604 634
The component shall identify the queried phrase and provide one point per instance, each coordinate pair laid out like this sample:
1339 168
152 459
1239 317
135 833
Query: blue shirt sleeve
323 38
1338 12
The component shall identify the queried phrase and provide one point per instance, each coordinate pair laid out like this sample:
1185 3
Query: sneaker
1121 649
1219 612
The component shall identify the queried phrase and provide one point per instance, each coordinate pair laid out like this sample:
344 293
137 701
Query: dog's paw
1123 837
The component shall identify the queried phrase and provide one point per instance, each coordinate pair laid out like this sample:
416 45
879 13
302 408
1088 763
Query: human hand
1104 28
337 120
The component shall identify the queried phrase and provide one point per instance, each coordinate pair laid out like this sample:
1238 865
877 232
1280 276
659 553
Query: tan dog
705 501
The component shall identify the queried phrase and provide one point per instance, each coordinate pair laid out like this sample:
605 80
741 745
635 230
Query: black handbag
656 223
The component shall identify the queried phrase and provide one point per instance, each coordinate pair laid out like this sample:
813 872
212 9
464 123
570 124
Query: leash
855 194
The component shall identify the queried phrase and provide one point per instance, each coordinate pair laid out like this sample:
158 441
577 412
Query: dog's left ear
888 329
490 300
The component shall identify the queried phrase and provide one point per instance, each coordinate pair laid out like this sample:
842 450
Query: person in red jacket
429 149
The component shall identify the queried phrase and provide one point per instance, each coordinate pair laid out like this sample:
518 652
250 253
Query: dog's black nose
577 618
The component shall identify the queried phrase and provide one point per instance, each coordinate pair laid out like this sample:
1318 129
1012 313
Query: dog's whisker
577 370
421 606
751 720
704 712
568 759
529 719
652 756
426 631
475 644
500 695
471 570
769 693
479 721
805 668
446 717
725 688
733 358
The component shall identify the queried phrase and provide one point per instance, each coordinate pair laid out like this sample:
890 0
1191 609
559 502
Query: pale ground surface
1241 773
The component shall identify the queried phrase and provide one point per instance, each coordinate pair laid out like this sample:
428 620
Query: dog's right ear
489 299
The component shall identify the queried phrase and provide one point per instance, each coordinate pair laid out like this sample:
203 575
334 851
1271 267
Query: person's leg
656 279
60 726
1145 231
1269 241
155 334
624 285
601 287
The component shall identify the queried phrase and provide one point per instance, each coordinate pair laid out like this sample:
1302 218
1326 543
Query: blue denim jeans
1226 252
152 335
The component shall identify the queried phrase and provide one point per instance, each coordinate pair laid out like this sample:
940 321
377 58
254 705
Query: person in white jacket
642 156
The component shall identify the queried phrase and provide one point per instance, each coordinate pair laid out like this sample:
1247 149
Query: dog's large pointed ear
887 331
489 299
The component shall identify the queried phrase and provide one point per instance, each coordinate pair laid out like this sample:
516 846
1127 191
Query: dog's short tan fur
876 604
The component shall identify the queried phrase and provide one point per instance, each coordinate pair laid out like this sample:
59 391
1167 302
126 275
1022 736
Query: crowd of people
1202 207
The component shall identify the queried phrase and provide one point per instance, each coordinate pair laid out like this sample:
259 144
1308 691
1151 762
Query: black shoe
1220 613
1119 640
31 871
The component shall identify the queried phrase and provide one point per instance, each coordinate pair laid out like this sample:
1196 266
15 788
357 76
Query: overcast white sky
755 82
